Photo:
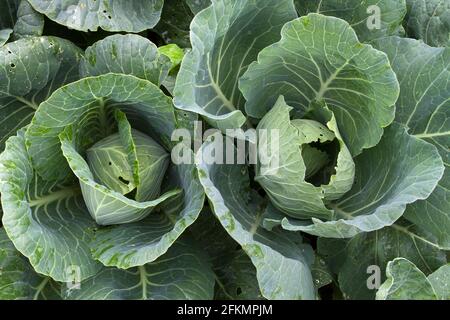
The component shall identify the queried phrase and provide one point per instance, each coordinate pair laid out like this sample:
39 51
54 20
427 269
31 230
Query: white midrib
143 281
394 226
55 196
40 288
26 102
324 85
256 224
413 235
227 103
432 135
103 117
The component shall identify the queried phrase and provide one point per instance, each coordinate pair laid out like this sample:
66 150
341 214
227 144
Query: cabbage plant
362 118
90 184
98 98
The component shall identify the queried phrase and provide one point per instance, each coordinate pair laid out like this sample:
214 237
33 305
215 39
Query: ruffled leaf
183 273
18 280
405 282
411 171
429 20
424 107
371 19
30 70
226 37
48 222
320 58
127 54
356 261
109 15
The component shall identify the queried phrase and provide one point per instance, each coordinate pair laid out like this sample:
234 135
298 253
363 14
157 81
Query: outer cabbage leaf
361 15
137 56
238 279
89 15
19 19
226 37
176 18
429 20
282 262
406 282
400 170
350 259
183 273
30 70
320 58
235 272
18 279
48 222
321 273
198 5
424 107
29 22
128 54
440 280
4 36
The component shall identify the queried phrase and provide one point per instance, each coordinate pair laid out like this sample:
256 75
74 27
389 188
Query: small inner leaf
115 162
312 131
319 150
109 164
127 142
314 159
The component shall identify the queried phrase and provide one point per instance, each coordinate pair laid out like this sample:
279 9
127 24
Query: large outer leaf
350 259
136 244
183 273
30 70
355 12
282 262
29 22
20 17
235 272
400 170
424 107
128 54
226 37
175 21
110 15
47 222
176 18
198 5
429 20
405 282
320 57
4 36
238 279
18 280
86 104
440 280
8 13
